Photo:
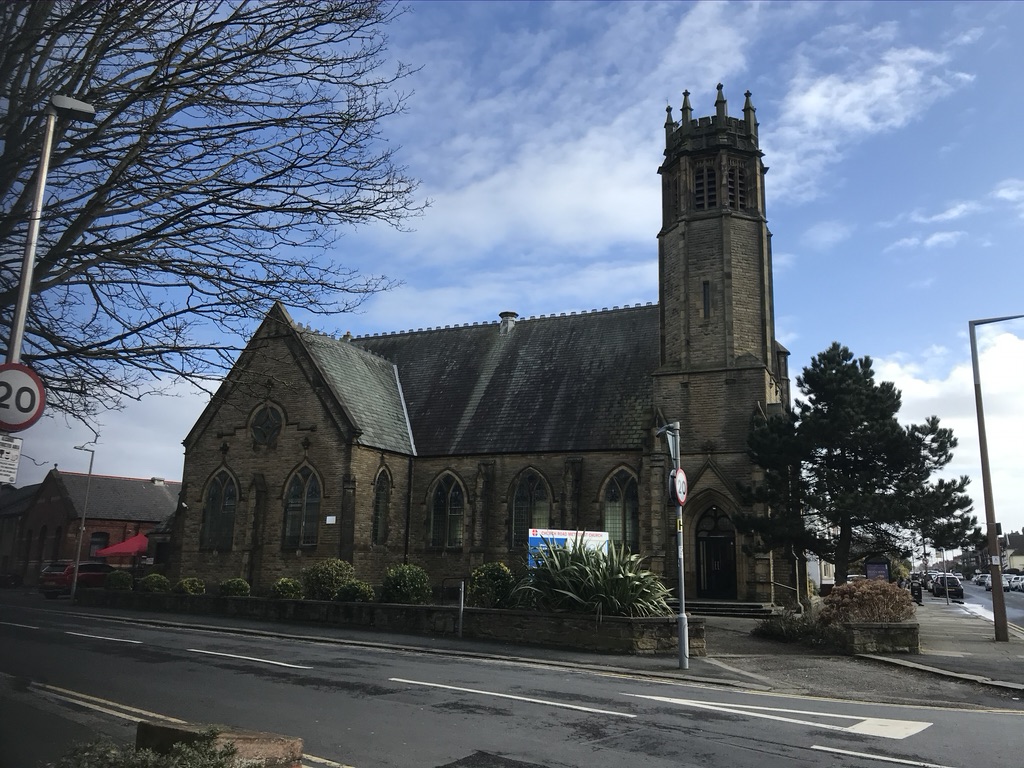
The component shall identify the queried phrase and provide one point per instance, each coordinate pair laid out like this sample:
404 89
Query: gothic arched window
381 505
218 528
531 507
622 510
737 181
301 510
446 512
265 425
705 189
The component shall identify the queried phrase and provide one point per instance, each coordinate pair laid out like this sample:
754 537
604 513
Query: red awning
136 545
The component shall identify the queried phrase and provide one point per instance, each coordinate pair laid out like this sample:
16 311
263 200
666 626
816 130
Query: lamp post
81 525
677 487
995 562
75 110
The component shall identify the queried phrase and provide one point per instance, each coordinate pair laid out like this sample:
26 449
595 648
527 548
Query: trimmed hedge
491 586
355 591
235 588
190 586
321 581
154 582
408 584
119 580
286 589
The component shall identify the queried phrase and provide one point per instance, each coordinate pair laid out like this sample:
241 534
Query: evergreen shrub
119 580
322 580
190 586
154 582
491 586
286 589
355 591
234 588
407 584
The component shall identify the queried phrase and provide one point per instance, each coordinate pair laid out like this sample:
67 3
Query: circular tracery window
266 425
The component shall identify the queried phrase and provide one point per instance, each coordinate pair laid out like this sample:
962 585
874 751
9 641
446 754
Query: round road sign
679 486
22 397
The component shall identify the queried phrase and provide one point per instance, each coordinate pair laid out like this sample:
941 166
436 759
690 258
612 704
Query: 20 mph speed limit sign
22 397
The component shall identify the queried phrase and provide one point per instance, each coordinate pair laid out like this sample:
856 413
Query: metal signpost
678 489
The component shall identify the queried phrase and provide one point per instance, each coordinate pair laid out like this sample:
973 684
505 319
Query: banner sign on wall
564 538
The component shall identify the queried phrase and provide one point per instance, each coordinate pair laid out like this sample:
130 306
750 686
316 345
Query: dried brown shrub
868 600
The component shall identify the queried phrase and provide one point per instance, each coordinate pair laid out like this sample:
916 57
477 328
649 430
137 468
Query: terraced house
444 446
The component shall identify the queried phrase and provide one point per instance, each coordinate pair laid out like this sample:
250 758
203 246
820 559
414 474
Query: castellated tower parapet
718 347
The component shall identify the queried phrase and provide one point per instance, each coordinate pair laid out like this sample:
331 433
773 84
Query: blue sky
895 193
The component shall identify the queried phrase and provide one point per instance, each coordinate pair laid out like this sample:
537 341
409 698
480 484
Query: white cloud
826 234
902 243
943 239
143 440
936 382
955 211
824 113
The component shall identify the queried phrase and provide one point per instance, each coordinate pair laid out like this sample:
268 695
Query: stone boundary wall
610 634
875 637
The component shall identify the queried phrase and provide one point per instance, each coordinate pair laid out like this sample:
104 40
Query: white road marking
545 702
867 726
249 658
323 761
102 705
880 758
12 624
101 637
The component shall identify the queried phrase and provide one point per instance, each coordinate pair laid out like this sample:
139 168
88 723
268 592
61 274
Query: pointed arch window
737 184
218 529
705 190
446 513
622 510
265 425
381 506
302 510
531 507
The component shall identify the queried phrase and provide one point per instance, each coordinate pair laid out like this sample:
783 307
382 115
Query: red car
56 577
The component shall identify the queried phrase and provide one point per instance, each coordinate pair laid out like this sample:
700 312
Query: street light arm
1002 632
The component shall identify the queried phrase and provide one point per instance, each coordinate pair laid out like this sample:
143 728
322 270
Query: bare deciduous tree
234 142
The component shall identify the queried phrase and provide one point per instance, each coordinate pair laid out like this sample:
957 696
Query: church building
443 447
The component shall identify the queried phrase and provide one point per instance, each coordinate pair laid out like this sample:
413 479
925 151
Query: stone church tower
720 365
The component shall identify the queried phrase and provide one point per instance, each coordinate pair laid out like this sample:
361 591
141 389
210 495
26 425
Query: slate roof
122 498
577 382
15 501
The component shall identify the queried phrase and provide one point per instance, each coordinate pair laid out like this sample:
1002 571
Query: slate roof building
445 446
118 508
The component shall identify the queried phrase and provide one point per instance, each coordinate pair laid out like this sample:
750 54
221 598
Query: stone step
731 608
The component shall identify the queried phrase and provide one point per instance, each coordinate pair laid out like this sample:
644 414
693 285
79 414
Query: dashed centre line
249 658
103 637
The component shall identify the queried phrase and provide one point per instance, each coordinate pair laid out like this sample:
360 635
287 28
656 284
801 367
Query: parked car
947 585
1017 583
55 579
986 581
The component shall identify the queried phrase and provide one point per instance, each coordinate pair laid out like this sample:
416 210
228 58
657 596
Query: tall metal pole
29 260
671 432
995 562
76 110
81 525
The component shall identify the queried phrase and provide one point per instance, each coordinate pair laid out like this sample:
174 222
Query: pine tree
843 479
